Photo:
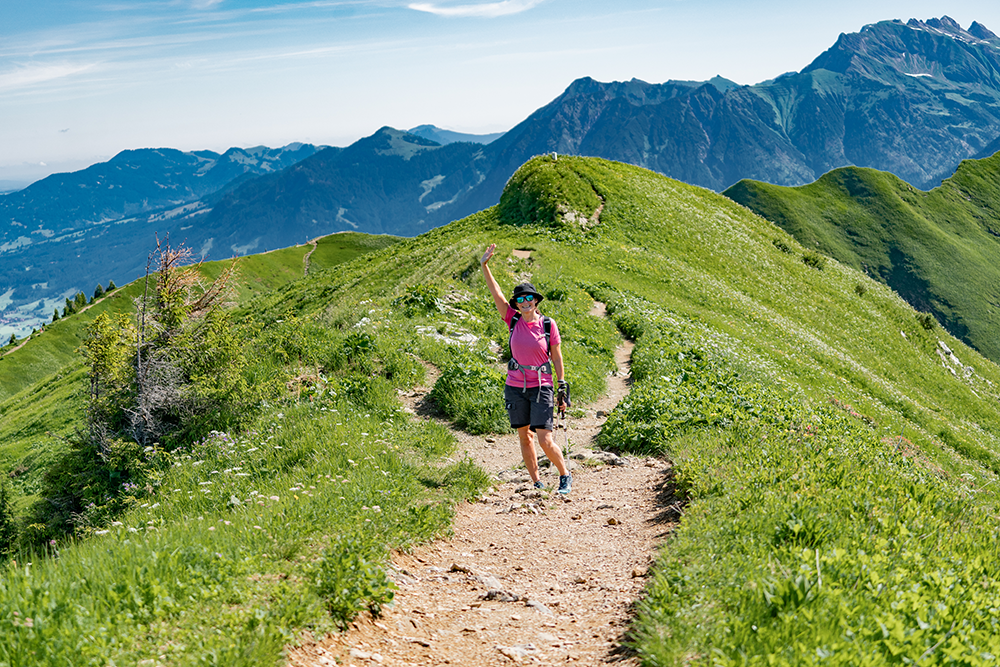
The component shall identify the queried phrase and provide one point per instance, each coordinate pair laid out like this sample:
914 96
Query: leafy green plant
420 299
349 577
814 259
470 394
926 321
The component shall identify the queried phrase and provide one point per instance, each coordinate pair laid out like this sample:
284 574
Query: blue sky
81 80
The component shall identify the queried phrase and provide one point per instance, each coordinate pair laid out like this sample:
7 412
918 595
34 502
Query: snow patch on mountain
429 185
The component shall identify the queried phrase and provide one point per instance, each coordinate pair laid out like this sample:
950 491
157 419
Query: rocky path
529 577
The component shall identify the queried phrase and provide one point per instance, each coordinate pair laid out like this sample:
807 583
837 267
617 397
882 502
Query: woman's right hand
488 254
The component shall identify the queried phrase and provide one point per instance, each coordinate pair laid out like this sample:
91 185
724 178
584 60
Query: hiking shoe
565 484
539 484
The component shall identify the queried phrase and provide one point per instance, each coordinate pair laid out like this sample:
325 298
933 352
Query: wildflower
211 527
101 532
275 498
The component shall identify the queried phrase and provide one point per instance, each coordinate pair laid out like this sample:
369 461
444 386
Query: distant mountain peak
445 137
982 32
946 25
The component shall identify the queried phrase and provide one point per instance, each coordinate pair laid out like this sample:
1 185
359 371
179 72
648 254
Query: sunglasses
526 297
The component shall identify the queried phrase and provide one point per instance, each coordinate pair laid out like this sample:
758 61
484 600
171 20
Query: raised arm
491 282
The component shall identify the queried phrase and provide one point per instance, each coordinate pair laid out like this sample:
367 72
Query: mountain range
912 99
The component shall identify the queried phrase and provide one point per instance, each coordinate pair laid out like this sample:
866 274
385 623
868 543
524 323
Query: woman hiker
529 392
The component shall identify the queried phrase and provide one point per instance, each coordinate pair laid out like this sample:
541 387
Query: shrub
349 577
927 321
8 521
781 245
814 259
860 289
422 299
471 395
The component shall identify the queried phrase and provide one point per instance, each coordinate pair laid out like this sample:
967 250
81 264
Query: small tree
98 292
13 340
55 314
111 286
108 349
70 307
80 300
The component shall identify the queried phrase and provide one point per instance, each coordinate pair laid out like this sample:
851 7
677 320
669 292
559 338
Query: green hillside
837 452
41 382
939 250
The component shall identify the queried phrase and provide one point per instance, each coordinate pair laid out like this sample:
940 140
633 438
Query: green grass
839 478
939 249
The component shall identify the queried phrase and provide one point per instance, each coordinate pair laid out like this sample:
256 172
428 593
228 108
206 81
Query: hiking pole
565 428
564 402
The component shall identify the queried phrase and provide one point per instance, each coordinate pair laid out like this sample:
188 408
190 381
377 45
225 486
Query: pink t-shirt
528 347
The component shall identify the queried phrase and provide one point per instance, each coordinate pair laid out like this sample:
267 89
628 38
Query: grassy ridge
840 467
939 249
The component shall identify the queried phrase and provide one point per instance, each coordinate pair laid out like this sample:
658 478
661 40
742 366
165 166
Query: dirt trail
529 577
305 260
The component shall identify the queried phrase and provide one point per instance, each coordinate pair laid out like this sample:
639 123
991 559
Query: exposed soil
529 576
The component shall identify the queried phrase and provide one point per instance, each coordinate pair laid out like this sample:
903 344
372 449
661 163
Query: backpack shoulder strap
513 321
547 323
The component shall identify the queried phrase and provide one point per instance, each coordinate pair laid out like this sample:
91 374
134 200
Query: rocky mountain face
913 99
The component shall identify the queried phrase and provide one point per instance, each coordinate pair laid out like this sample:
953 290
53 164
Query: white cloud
487 10
33 74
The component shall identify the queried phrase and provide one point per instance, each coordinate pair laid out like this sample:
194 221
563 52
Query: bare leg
528 452
551 450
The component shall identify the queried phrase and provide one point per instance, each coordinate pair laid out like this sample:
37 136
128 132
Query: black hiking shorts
527 408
